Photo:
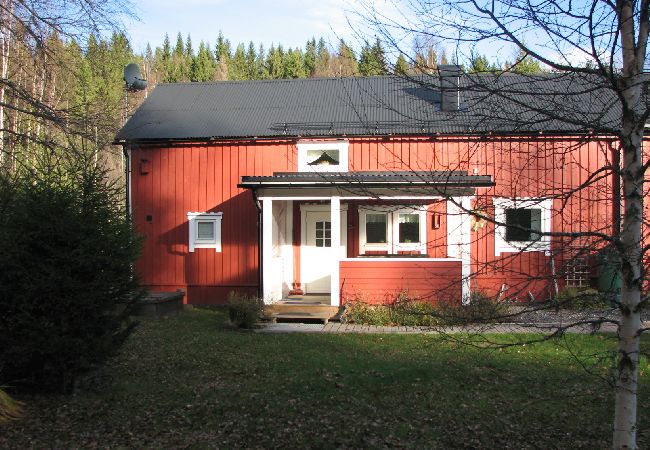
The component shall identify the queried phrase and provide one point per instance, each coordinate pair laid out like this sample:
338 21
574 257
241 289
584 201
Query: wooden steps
300 310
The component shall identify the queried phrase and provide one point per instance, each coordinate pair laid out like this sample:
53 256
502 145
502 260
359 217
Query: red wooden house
362 188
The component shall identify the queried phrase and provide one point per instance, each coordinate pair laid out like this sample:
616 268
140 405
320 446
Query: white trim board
415 260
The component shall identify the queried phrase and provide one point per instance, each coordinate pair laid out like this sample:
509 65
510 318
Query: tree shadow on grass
189 381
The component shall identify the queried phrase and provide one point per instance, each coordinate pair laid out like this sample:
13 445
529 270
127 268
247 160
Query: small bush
579 299
480 309
245 311
409 312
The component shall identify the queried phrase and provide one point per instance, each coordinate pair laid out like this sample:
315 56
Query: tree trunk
6 21
630 82
630 324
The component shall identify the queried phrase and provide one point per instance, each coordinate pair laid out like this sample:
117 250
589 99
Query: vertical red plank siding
381 282
200 178
203 177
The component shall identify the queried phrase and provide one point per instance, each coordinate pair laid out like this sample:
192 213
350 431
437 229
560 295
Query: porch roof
405 179
455 182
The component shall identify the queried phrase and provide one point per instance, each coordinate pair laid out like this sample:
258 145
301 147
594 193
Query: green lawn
190 381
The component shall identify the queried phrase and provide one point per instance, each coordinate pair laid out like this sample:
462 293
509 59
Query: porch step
292 311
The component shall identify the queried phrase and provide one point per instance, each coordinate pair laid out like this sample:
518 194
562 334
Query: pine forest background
57 94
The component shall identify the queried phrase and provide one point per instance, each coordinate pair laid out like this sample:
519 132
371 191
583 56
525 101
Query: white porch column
267 249
459 242
335 218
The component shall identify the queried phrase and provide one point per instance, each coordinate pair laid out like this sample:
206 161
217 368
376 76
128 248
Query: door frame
310 207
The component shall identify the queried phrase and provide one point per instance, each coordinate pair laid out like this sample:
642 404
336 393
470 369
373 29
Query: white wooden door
316 252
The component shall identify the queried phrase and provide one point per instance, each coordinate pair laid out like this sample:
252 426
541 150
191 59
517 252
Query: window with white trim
521 224
205 230
323 156
392 231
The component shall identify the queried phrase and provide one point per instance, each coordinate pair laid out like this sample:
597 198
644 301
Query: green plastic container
609 271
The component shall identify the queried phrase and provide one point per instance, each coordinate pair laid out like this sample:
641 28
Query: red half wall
380 281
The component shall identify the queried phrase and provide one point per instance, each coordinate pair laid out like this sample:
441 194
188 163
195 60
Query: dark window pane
409 228
376 228
328 242
205 230
522 224
328 225
409 233
319 233
319 226
319 242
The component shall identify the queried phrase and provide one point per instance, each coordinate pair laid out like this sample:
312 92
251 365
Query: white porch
304 227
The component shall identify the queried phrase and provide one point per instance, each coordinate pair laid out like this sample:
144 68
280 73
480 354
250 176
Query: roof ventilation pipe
450 86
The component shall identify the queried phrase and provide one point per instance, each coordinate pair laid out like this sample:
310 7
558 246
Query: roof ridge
277 80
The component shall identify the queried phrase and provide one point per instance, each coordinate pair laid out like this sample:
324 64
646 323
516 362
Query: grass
190 381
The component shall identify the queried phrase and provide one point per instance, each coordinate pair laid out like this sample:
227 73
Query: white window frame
306 146
501 245
194 242
392 246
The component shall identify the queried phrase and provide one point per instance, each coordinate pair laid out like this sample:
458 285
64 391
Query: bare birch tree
32 65
604 44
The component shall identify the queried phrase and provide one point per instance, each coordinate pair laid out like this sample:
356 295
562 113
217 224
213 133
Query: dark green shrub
579 299
67 291
245 311
409 312
479 309
403 311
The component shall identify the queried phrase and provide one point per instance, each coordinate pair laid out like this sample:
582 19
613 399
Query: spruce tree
166 61
294 66
323 60
401 66
275 62
237 69
251 62
480 64
203 65
380 66
263 71
365 60
524 64
310 57
345 64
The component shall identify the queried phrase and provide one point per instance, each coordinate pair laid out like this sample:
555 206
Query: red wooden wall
201 178
381 282
204 177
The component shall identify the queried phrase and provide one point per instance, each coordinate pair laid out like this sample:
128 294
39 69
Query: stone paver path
336 327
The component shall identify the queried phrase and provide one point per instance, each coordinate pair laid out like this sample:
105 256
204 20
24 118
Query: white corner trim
267 251
459 244
194 242
503 246
340 145
335 217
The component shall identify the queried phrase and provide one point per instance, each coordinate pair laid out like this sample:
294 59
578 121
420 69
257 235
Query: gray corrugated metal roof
368 106
376 179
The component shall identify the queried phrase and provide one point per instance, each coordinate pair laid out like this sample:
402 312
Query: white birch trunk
6 21
632 127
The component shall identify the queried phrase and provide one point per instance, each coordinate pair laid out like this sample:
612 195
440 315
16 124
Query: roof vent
450 86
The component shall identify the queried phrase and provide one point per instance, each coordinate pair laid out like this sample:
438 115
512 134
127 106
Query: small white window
523 222
323 156
390 230
205 230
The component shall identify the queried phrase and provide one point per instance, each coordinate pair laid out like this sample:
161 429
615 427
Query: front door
316 252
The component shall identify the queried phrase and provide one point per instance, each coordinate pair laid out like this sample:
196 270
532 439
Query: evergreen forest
62 84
